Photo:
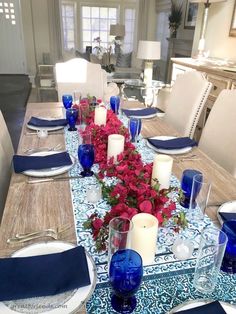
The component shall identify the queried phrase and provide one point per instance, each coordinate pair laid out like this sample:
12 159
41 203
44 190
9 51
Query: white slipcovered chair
186 102
218 139
6 154
79 74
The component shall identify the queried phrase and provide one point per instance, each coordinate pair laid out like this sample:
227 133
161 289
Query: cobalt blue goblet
115 104
67 101
126 272
86 158
229 260
186 186
71 117
135 126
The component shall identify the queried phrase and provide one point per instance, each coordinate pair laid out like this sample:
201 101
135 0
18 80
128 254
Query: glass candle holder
93 193
182 248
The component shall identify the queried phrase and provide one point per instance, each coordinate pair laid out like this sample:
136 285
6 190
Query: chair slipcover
218 139
186 102
79 74
6 153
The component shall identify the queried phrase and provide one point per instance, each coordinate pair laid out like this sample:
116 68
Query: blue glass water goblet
86 159
229 260
115 104
126 272
67 101
186 186
71 117
135 126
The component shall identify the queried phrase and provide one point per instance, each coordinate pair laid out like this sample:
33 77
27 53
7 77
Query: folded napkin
175 143
141 112
37 276
227 216
23 163
209 308
47 123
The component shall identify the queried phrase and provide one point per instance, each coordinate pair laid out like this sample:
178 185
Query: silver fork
34 150
52 233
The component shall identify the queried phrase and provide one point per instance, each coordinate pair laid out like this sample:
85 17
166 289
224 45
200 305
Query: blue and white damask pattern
168 281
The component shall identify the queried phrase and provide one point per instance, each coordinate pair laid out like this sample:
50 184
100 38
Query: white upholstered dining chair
5 138
79 74
186 102
5 176
218 139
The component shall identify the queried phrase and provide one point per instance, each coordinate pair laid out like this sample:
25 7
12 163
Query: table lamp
118 31
207 3
148 51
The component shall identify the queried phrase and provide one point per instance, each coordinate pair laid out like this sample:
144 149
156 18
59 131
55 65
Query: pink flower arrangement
133 193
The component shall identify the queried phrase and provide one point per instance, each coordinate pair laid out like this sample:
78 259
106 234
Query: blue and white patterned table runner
167 282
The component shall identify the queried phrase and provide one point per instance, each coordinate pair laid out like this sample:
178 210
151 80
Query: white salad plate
229 207
229 308
63 303
50 172
168 151
160 114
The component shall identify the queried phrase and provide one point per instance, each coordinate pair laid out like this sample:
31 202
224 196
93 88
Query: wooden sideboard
221 77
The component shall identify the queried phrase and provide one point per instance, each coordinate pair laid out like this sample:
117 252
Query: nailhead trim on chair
202 102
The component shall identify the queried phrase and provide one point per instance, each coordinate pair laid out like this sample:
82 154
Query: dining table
31 207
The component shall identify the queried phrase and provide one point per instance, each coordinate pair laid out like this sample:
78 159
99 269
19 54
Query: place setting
45 126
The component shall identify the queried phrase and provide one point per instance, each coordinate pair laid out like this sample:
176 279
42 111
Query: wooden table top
31 207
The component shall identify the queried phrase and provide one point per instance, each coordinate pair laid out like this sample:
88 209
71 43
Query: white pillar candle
144 236
116 144
100 116
162 167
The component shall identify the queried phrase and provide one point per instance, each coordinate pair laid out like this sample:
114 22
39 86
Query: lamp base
148 69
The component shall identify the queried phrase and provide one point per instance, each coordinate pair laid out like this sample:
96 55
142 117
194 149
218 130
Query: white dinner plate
160 114
51 171
229 207
229 308
168 151
63 303
49 128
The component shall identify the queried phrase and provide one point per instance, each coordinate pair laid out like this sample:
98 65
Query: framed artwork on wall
232 31
190 15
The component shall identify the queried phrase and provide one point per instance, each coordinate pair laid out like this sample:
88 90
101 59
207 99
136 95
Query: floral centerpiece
132 193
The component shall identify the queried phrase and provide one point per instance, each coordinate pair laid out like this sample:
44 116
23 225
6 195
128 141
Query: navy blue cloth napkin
23 163
209 308
47 123
141 112
175 143
36 276
227 216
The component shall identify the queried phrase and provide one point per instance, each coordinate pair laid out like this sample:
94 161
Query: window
129 29
68 13
96 23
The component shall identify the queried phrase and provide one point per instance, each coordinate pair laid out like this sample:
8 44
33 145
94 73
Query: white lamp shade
205 1
117 30
149 50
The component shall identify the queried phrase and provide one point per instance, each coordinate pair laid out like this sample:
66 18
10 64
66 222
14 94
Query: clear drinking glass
119 235
210 254
201 188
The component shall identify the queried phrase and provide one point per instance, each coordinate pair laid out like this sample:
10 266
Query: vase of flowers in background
175 17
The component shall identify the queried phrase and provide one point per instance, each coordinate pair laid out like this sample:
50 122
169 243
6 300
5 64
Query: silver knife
54 179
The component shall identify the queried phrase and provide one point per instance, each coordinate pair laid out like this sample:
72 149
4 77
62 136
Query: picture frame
232 31
190 15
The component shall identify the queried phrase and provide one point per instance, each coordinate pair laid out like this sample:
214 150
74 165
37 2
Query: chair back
5 138
5 171
79 74
186 102
218 139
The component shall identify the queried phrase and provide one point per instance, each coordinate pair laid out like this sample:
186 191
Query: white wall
218 41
